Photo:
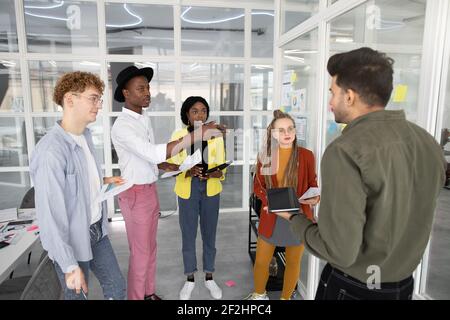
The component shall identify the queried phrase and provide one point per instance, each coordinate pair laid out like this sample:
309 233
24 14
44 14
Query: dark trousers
336 285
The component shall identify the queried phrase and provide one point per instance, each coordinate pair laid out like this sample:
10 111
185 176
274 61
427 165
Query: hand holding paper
311 196
116 180
166 166
187 164
112 189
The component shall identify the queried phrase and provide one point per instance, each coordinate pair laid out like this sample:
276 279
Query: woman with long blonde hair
281 163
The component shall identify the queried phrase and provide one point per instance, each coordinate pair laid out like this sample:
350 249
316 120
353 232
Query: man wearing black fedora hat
139 160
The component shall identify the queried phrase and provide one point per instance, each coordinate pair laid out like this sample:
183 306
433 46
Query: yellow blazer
216 156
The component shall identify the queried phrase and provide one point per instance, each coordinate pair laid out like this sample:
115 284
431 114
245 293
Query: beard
339 114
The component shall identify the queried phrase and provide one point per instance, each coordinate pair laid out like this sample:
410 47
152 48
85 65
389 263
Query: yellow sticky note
294 77
400 93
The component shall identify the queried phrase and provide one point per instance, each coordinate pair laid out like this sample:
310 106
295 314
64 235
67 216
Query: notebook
219 167
282 199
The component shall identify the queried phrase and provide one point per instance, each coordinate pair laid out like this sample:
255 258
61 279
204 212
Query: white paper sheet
112 189
310 193
8 214
187 164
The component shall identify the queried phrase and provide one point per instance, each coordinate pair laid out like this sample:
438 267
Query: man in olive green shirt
380 182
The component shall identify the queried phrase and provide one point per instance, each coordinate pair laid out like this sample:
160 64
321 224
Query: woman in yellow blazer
199 197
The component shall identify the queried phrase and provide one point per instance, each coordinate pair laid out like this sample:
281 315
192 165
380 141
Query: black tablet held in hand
282 199
219 167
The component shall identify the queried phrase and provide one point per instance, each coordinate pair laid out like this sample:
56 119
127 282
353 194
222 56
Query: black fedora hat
125 75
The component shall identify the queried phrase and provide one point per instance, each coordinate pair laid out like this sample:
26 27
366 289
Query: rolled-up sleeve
124 136
49 177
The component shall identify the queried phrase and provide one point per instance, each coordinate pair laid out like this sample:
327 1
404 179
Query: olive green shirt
380 182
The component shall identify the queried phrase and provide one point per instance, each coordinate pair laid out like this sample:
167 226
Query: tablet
282 199
219 167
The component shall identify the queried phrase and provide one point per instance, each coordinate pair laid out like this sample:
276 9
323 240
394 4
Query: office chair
28 200
12 289
44 283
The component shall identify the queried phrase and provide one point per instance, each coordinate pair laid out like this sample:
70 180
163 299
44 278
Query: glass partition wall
221 51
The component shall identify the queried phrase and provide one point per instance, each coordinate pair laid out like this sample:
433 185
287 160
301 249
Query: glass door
437 276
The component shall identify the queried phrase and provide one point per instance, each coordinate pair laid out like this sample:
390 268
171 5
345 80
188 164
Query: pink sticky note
230 283
33 227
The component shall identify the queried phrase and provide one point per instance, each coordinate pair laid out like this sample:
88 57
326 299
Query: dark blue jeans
103 264
336 285
207 208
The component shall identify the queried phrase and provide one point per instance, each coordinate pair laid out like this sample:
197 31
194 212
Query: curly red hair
77 81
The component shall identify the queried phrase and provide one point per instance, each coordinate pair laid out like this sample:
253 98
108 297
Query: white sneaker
214 289
185 293
257 296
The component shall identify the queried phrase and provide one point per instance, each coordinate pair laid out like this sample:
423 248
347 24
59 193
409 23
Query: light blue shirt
62 196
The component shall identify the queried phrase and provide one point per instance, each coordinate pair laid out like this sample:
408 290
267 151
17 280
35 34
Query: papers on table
11 237
7 237
12 231
187 164
310 193
26 214
3 226
112 189
8 214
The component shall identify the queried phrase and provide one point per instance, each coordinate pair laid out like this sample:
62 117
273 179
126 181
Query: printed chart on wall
298 100
286 90
301 123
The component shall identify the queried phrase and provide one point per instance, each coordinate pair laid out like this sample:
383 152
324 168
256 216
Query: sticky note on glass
294 77
400 93
230 283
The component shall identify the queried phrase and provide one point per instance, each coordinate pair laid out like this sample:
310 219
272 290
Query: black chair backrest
44 283
28 200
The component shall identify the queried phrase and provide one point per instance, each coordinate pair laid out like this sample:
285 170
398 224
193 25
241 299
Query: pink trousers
140 209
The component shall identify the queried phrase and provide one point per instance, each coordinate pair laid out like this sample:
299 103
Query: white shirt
94 178
138 154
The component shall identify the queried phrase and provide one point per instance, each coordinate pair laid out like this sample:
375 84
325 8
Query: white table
11 255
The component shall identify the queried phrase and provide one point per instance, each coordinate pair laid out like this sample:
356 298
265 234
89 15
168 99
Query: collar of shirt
381 115
140 118
78 139
67 137
133 114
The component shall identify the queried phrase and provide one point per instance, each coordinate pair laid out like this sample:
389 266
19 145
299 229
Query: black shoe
152 297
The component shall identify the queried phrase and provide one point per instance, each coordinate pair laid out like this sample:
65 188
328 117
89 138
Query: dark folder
282 199
219 167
